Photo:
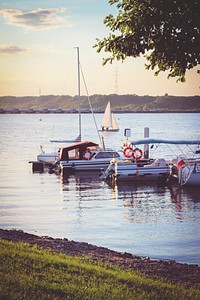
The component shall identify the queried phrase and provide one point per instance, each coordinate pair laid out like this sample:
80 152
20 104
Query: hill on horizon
118 102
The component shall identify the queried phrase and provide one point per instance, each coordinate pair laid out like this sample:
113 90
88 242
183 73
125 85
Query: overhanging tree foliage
166 32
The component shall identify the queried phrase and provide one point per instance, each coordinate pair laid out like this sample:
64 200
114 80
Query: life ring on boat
137 153
87 155
128 152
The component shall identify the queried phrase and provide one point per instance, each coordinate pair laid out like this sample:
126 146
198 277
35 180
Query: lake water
141 218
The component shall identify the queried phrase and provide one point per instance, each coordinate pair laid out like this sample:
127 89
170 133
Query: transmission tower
116 82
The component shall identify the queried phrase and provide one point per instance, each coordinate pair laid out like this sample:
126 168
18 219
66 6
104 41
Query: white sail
107 118
114 122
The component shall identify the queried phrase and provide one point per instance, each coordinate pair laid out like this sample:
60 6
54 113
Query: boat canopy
160 141
83 144
80 146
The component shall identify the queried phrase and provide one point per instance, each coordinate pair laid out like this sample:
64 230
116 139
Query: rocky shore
188 275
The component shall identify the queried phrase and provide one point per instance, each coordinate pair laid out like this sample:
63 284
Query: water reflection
142 218
82 180
137 189
84 188
151 194
147 198
185 198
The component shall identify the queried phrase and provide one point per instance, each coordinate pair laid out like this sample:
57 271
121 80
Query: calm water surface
141 218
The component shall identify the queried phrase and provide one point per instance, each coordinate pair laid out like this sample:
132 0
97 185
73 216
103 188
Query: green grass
29 272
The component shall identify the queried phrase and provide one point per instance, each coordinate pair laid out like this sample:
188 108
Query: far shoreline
63 111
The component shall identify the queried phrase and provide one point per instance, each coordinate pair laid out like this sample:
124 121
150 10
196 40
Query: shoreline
174 272
69 111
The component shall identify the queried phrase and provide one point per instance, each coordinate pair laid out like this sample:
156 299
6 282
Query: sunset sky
38 55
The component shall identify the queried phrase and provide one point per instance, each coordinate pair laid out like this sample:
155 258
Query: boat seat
159 162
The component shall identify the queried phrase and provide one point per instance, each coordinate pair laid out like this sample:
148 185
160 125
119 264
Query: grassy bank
28 272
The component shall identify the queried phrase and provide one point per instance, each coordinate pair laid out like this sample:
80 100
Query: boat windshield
105 154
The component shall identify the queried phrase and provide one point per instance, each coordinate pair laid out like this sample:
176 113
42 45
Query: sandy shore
186 274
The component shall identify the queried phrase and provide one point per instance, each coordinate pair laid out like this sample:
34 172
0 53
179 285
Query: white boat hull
141 173
84 165
189 175
126 170
47 158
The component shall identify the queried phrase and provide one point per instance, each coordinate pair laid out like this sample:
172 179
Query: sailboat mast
79 91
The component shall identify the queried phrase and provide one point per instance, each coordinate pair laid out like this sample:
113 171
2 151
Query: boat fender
128 152
137 153
87 155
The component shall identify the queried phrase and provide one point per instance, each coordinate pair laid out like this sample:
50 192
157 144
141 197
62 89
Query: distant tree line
118 102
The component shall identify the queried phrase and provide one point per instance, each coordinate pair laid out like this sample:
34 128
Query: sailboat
109 122
82 155
53 157
85 155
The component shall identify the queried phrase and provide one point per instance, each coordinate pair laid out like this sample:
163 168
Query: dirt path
186 274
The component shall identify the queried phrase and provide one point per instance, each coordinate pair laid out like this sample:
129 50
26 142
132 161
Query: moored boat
143 168
50 158
158 169
140 170
85 156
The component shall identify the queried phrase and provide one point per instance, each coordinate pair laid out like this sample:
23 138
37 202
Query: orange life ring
137 153
87 155
128 152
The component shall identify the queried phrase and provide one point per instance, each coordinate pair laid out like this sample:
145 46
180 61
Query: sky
38 54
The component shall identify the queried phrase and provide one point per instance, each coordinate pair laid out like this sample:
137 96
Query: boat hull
108 130
194 179
142 174
129 171
47 158
83 165
189 174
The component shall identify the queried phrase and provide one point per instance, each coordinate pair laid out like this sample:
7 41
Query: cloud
39 19
11 49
